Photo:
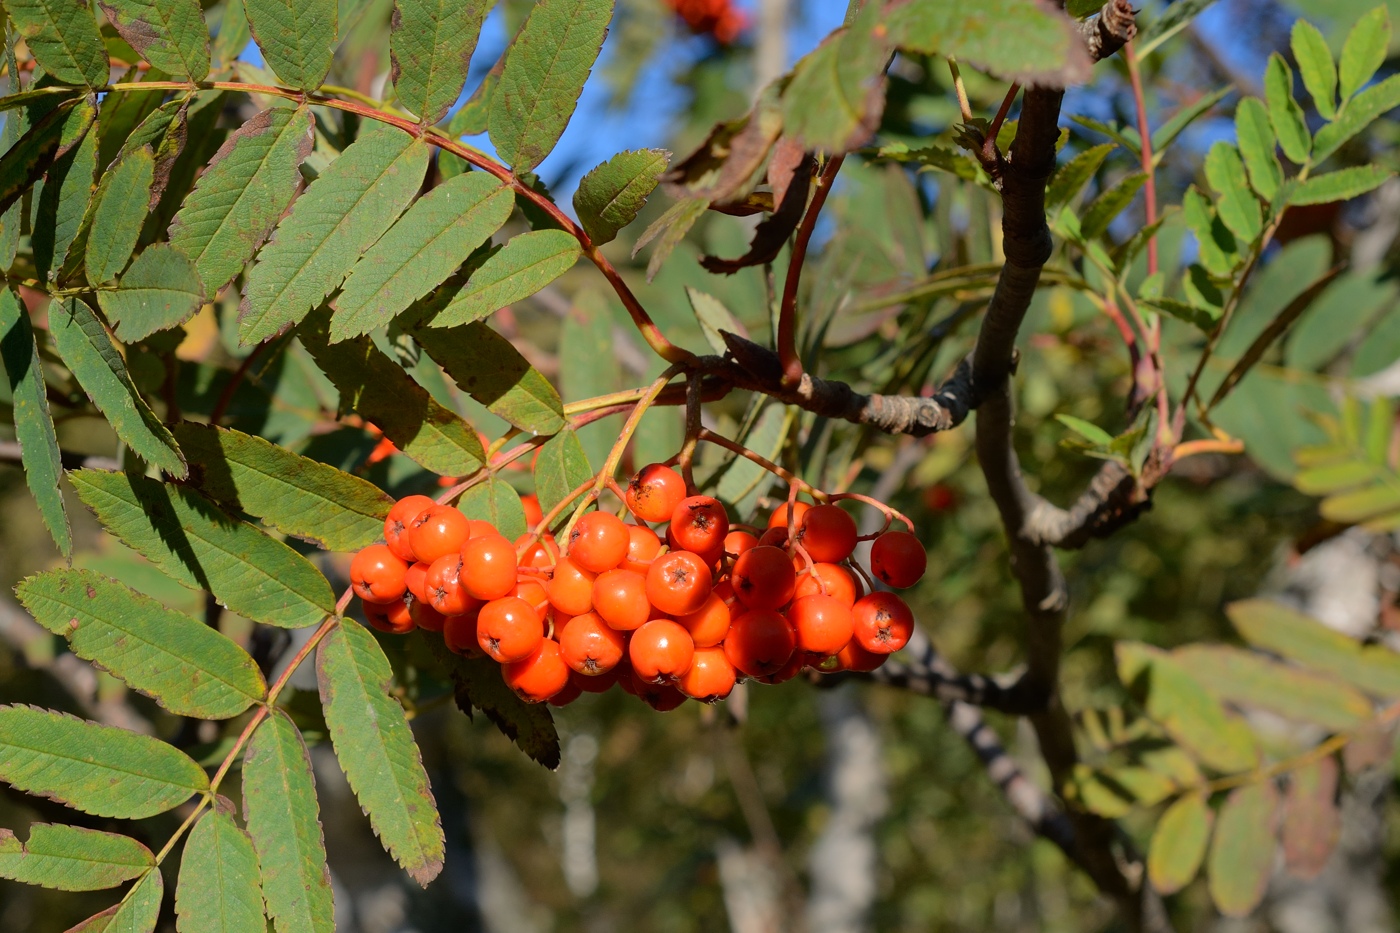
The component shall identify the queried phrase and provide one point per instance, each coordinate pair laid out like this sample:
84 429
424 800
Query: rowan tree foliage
273 266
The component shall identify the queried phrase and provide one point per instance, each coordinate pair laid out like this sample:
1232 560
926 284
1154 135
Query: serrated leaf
1103 209
87 351
279 803
96 769
1315 64
189 539
341 214
1312 824
376 749
1179 844
426 246
294 494
544 73
1284 112
528 263
97 923
1242 849
1341 185
1360 112
1124 136
1364 505
836 95
1256 139
713 317
62 36
1235 202
496 501
62 204
219 891
1019 40
430 47
68 858
378 388
488 368
297 38
560 468
1070 178
611 195
668 230
1285 631
48 140
1365 51
170 34
161 290
38 443
186 666
141 908
1245 678
118 214
242 193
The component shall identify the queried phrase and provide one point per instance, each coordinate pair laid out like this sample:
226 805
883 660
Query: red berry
509 629
883 623
488 566
710 623
540 675
530 505
591 646
459 634
426 617
660 651
392 617
779 518
598 542
699 524
599 683
760 642
828 533
763 578
400 518
853 657
654 493
898 559
824 624
678 583
437 532
642 547
570 588
620 597
830 580
710 676
443 582
378 574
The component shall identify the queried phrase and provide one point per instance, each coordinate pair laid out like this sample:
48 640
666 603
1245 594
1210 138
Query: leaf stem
787 311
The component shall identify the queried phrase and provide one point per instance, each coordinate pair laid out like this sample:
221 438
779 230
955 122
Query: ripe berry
854 657
400 517
760 642
710 623
477 527
737 542
590 646
824 624
415 579
828 533
883 623
654 493
538 676
488 566
837 581
532 591
459 633
774 537
678 583
898 559
426 617
543 553
642 547
509 629
377 574
570 588
779 518
569 694
599 683
710 676
530 505
444 585
437 532
620 597
699 524
763 578
660 651
787 672
598 542
661 697
392 617
710 557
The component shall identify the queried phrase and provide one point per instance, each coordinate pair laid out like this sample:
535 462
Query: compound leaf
1179 844
297 38
1365 51
69 858
1315 63
430 47
1104 208
1341 185
1245 678
63 37
218 891
527 264
1238 208
1019 40
561 467
1312 824
1360 112
159 291
141 908
1242 850
1287 632
1071 177
170 34
118 213
47 141
610 196
1284 112
837 91
488 368
1257 143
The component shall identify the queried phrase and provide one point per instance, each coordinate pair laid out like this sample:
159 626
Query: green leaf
1244 678
431 46
87 351
1287 632
836 95
611 195
242 193
490 370
62 35
96 769
1365 51
189 539
170 34
1175 125
50 139
384 395
1337 477
141 908
38 444
376 749
118 213
1242 850
1087 430
1179 844
219 890
1108 205
425 247
1218 251
1315 64
343 212
495 501
1018 40
186 666
297 38
233 34
1360 113
671 227
1238 208
1070 178
67 858
544 73
1284 112
560 468
279 802
61 205
161 290
1257 143
713 318
1361 506
1126 137
1341 185
1312 824
294 494
528 263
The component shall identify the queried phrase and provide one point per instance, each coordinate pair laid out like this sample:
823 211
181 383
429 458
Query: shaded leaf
773 233
431 46
1341 185
297 38
161 290
495 501
1179 844
48 140
1108 205
836 95
62 36
170 34
488 368
1243 677
1257 143
68 858
1019 40
1360 112
1070 178
1315 64
671 227
1242 849
1284 112
560 467
1364 505
610 196
1235 202
219 890
1312 824
1365 50
713 318
1285 631
61 205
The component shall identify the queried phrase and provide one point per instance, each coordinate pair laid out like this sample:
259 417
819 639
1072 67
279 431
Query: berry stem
791 478
889 513
686 457
787 311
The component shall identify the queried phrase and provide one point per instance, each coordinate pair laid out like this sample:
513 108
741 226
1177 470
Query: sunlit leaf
1365 50
1341 185
1179 844
1284 112
1249 679
431 46
297 37
69 858
528 263
1241 855
219 891
62 35
495 501
1315 64
170 34
1285 631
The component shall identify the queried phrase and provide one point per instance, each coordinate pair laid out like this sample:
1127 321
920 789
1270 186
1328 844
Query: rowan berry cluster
664 618
718 18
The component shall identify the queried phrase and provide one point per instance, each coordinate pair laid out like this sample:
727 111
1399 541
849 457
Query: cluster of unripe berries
684 613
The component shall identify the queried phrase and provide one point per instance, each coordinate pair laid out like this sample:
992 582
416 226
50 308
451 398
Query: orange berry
459 633
710 623
834 579
599 683
392 617
415 579
509 629
642 547
532 591
828 533
569 694
898 559
760 642
883 623
488 566
763 578
779 518
530 504
699 525
570 588
824 624
590 646
787 672
400 517
710 676
598 542
477 527
854 657
444 585
437 532
543 553
378 574
620 597
660 651
539 675
426 617
710 557
737 542
678 583
654 492
661 697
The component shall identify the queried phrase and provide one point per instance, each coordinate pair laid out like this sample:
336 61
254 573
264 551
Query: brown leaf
769 236
1311 822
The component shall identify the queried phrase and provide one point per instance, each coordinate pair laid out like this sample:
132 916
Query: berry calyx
699 524
590 646
654 492
883 623
678 583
